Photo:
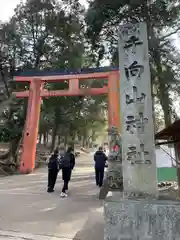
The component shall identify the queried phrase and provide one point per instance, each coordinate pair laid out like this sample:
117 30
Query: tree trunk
44 139
84 141
177 154
165 101
47 137
178 178
79 138
163 91
59 139
40 137
14 152
73 138
54 134
65 140
87 143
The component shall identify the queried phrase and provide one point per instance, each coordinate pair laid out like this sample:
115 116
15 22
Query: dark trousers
65 186
66 176
52 177
99 172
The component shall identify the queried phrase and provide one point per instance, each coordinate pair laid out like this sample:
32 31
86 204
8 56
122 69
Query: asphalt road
28 212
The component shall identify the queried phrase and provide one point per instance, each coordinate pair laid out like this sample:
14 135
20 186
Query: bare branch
170 34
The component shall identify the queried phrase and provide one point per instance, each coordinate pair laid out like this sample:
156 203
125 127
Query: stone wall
142 220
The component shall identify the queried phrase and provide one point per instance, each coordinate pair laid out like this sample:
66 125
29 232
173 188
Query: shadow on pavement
92 229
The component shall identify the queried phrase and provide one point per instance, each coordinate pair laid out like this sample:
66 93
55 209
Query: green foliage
162 17
47 35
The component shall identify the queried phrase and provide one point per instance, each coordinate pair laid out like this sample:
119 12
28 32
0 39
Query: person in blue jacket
100 159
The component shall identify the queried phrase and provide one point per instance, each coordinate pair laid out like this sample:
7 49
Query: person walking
53 168
67 165
100 159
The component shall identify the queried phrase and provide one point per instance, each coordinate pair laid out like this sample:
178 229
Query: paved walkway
28 212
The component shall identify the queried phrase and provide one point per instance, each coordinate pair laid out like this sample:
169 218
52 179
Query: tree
47 35
28 37
162 18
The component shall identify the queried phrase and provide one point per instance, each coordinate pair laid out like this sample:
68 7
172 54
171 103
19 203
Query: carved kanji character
134 70
132 41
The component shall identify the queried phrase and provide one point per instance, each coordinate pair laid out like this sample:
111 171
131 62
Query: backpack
65 161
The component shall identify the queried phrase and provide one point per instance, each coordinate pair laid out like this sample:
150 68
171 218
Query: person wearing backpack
53 168
67 164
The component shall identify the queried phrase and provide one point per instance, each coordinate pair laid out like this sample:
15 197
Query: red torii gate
36 92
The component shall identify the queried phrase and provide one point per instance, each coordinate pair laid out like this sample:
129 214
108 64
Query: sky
8 6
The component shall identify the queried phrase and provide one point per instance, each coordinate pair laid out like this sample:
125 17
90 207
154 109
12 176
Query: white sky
8 6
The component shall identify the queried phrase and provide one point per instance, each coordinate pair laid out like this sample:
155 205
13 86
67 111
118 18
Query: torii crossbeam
36 92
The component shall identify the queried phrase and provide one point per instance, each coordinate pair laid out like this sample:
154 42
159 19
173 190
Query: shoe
50 190
67 191
63 195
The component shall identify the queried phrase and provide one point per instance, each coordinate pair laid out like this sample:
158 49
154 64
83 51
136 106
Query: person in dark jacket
53 168
100 159
67 165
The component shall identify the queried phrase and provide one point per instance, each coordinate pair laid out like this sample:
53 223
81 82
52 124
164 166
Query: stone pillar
138 151
138 214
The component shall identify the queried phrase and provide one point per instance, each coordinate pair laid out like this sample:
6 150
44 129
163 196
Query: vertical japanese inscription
136 106
135 124
133 71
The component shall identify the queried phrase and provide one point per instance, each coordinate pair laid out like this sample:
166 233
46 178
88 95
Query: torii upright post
27 163
114 100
